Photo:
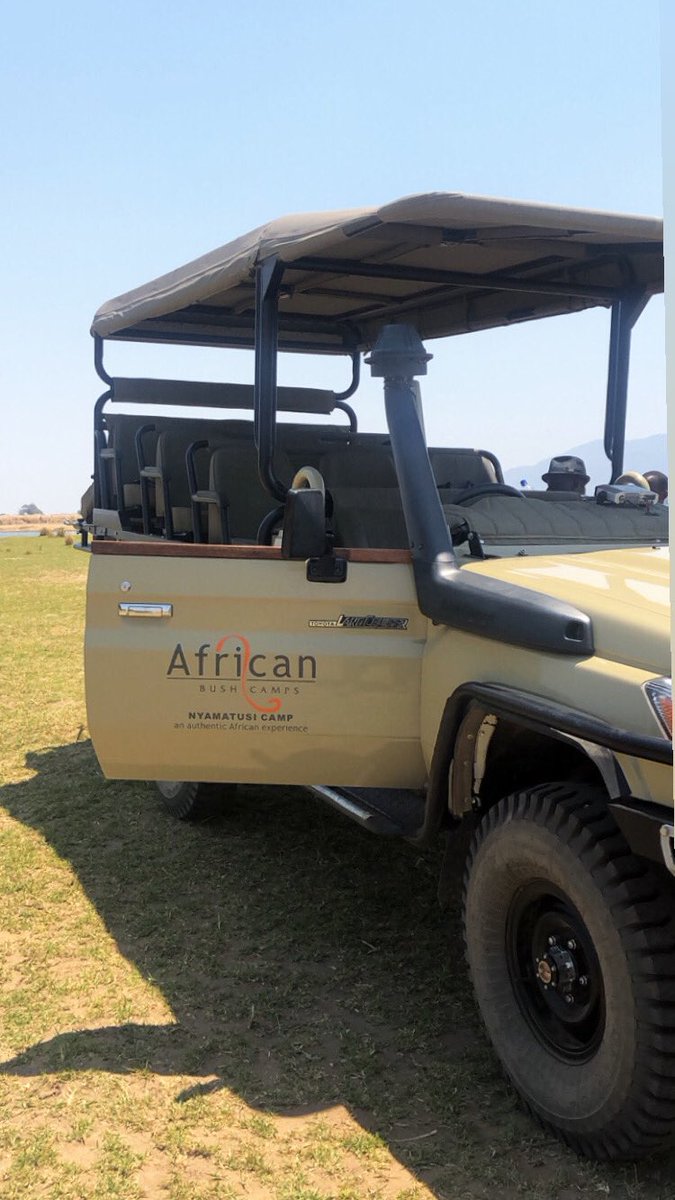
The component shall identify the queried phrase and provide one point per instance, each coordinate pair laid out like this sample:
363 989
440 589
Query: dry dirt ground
266 1005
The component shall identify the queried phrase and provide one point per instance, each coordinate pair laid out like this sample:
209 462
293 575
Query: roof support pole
356 376
625 313
267 287
98 360
101 493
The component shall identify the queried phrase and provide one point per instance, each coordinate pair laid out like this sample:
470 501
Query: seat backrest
306 444
121 470
234 478
360 466
458 469
366 497
170 461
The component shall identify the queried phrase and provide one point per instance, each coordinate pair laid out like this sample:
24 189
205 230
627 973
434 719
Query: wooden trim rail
162 549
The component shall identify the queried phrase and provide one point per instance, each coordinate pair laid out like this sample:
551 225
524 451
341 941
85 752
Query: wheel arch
495 753
488 731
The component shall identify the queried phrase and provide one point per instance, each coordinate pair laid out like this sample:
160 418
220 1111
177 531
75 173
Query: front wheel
571 953
190 801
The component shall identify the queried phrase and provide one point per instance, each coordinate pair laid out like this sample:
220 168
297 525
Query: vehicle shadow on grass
307 965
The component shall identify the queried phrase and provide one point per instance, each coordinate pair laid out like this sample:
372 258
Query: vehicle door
231 663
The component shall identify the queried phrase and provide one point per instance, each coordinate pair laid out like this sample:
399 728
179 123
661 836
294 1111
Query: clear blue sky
138 135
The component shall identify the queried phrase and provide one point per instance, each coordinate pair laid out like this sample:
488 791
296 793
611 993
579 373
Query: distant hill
641 454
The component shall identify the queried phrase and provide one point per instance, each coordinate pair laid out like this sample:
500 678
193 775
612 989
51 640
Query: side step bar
390 813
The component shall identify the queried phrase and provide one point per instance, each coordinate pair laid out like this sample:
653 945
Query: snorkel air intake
446 594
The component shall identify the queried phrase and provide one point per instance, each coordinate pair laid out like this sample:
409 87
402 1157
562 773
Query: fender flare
472 745
469 705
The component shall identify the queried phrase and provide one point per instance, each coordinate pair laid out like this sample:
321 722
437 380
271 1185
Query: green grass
267 1004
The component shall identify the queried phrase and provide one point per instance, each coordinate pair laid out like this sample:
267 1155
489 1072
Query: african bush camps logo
230 665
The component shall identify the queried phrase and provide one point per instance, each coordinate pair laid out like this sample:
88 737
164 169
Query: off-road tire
609 1094
193 801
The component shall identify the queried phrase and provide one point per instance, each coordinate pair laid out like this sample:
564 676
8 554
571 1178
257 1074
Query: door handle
128 608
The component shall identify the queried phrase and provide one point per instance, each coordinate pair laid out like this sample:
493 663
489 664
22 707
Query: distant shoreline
14 523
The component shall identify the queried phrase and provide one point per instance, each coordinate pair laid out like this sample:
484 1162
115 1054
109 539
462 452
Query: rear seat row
144 475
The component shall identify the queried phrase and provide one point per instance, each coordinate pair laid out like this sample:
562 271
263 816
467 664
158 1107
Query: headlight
660 695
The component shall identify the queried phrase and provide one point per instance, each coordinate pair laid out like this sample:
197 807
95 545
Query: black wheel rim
555 972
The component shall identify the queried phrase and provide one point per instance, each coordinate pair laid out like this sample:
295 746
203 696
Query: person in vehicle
658 482
566 473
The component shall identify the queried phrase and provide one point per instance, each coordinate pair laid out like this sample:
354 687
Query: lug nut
569 999
571 945
551 940
583 980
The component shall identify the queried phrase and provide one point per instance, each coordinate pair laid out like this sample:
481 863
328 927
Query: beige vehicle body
281 685
393 627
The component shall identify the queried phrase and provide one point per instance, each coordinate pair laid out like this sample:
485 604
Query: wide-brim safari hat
566 464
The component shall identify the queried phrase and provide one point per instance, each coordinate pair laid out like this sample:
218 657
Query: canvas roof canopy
444 262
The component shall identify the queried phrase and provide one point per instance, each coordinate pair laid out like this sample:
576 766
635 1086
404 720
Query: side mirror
304 534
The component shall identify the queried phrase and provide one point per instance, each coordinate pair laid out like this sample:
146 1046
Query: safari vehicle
392 626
